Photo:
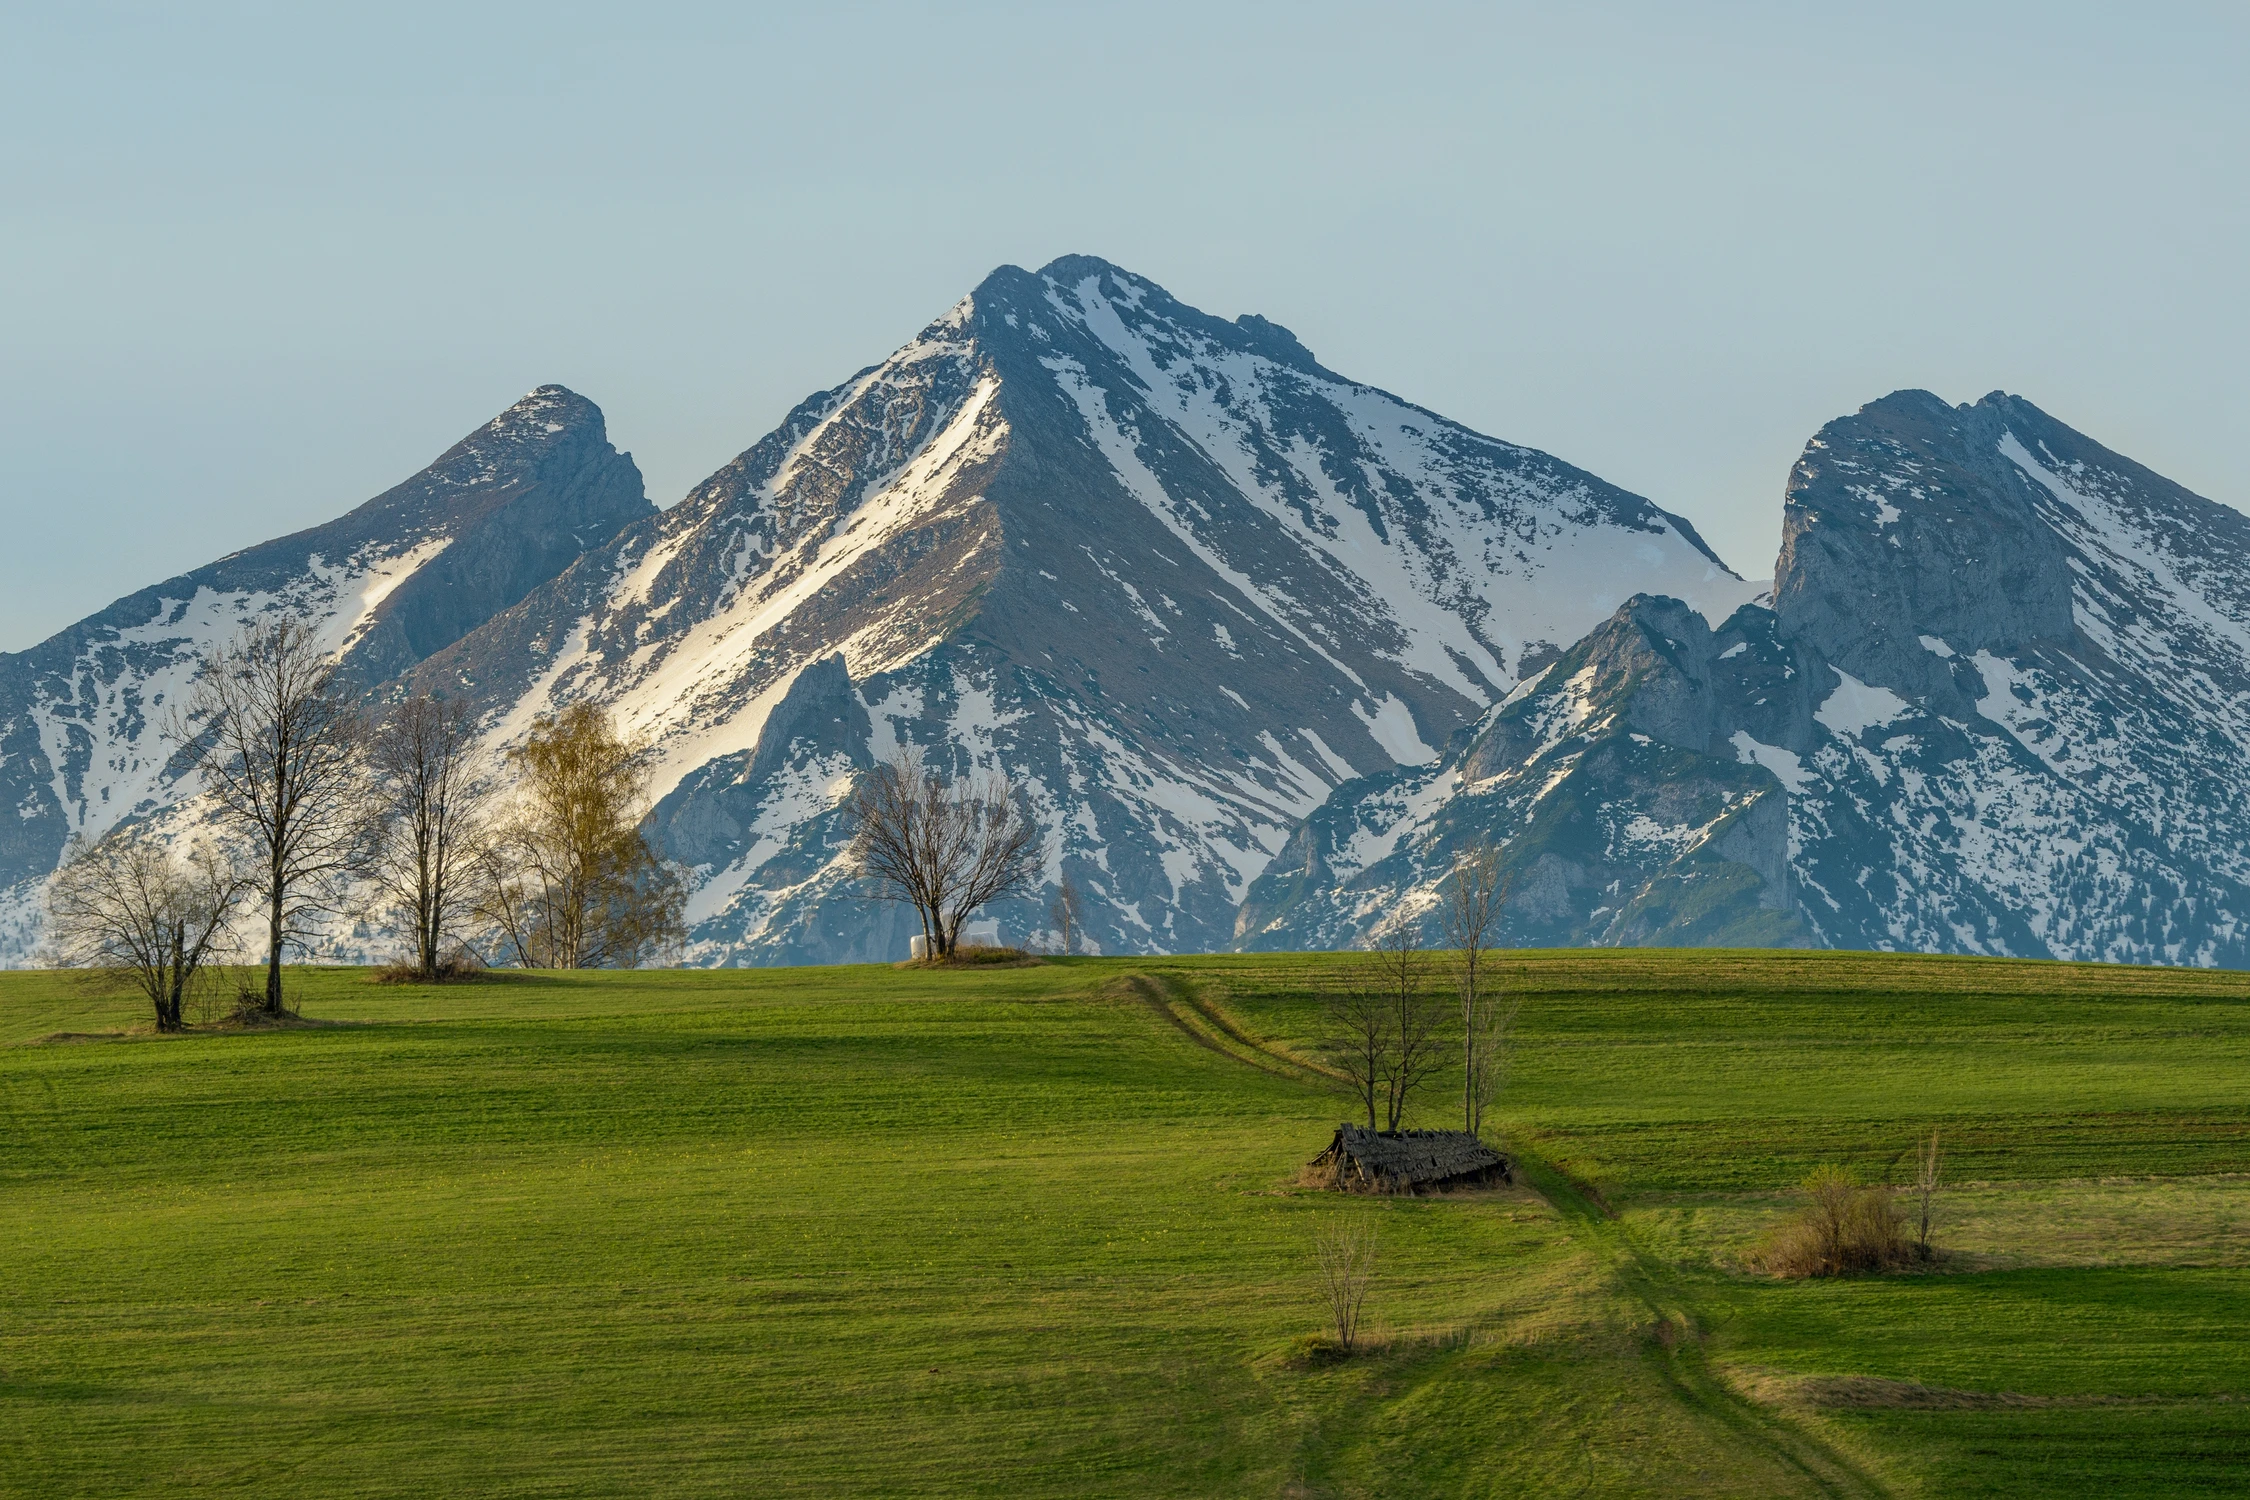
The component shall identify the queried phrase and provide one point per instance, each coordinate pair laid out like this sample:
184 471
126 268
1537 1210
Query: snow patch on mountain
1785 764
104 727
1853 707
1449 585
1391 725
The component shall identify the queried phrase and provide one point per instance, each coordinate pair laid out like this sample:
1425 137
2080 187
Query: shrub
1843 1228
972 955
456 967
1344 1254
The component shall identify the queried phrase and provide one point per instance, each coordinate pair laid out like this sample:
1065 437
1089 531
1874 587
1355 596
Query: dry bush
1345 1255
457 967
252 1000
973 955
1843 1228
987 953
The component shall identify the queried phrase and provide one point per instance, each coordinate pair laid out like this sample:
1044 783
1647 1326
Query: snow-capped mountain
1212 605
408 573
1171 573
1999 705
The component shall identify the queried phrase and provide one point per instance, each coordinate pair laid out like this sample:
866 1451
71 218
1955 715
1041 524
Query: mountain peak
544 411
1012 541
1075 268
383 586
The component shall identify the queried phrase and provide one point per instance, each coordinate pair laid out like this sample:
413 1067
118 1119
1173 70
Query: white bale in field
986 932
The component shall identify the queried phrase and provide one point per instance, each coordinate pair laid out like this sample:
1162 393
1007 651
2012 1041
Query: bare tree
1345 1256
1065 914
1927 1175
280 751
429 820
1493 1024
1473 901
133 907
1359 1038
944 848
569 878
1397 969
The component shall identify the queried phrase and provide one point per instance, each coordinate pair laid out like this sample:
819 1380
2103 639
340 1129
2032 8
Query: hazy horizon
269 264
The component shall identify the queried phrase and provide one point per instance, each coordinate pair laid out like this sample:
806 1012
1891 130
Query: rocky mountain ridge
1266 647
1997 706
404 575
1170 572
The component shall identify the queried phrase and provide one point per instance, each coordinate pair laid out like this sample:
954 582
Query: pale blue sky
260 264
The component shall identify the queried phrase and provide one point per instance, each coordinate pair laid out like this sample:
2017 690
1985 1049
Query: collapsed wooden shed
1360 1160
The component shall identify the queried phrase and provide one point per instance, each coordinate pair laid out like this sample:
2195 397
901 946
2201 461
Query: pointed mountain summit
404 575
1999 706
1174 575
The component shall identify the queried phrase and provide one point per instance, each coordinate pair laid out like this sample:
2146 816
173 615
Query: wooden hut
1360 1160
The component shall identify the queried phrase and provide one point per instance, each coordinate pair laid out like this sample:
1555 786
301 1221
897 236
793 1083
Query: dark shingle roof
1400 1161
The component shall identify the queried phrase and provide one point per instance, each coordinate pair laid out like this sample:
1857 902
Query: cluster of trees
1390 1031
315 801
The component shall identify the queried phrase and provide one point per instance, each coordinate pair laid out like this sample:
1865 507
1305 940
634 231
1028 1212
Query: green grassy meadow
868 1231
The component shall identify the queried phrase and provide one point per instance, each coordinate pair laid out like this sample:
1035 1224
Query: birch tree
430 820
1067 915
1397 969
280 749
1475 894
569 879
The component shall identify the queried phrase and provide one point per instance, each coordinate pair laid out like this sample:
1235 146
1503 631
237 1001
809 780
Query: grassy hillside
876 1232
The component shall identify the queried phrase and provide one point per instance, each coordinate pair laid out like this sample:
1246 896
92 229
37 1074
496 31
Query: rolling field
1030 1231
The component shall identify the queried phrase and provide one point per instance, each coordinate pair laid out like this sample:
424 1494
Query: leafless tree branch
430 820
1417 1019
133 907
1345 1256
280 750
943 848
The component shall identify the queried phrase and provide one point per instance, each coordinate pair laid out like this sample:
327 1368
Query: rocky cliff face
2049 757
1171 573
406 574
1611 784
1998 706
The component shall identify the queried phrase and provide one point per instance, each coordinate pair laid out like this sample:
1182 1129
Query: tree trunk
273 953
168 984
1469 1044
426 937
